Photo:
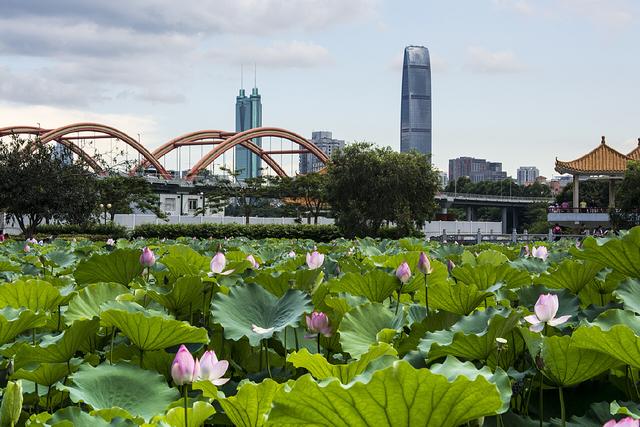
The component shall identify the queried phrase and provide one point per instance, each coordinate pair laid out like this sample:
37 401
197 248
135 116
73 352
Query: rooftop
602 160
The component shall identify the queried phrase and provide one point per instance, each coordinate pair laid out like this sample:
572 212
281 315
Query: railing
498 197
559 209
479 237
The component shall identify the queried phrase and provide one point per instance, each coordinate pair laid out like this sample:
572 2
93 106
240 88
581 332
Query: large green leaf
321 369
622 255
141 393
629 293
61 258
473 337
15 321
278 283
570 274
197 414
615 333
120 266
360 327
563 362
251 305
86 304
181 260
69 417
456 298
249 406
376 285
59 348
399 395
486 276
186 291
148 332
36 295
47 374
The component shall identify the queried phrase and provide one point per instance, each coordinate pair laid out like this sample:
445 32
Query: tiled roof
602 160
635 154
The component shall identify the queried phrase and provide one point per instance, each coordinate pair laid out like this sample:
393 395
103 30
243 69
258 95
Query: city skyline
511 78
415 106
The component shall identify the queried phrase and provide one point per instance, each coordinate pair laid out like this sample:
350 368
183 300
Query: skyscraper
415 109
477 170
527 175
248 116
324 141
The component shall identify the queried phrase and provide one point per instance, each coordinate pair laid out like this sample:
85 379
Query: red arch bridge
87 140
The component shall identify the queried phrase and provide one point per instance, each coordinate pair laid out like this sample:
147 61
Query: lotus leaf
186 291
120 266
375 285
360 327
249 406
86 304
36 295
196 415
570 274
15 321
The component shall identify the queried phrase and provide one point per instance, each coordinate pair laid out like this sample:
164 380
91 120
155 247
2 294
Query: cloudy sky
517 81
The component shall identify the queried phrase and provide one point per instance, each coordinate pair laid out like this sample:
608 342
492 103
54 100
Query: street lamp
105 209
204 205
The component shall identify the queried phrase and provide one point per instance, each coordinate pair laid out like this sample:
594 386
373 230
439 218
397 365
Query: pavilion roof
602 160
635 154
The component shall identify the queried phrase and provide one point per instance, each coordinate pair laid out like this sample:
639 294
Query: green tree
368 186
628 192
308 191
36 185
126 193
594 192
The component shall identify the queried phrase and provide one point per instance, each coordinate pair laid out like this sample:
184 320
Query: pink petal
220 381
537 328
546 307
533 319
218 370
558 321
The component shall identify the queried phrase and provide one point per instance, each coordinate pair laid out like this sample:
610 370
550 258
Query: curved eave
566 167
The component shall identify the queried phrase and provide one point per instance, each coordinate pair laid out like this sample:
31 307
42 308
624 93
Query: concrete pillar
514 217
469 213
504 220
576 191
612 194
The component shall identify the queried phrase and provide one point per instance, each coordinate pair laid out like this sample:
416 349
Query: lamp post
204 205
105 208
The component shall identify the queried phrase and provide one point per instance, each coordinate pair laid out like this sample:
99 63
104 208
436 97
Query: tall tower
415 108
248 116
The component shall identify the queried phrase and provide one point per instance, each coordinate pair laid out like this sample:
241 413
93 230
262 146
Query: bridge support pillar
505 217
514 217
470 216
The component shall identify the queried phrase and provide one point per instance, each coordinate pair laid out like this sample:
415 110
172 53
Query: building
63 153
527 175
248 116
444 179
477 170
415 107
324 141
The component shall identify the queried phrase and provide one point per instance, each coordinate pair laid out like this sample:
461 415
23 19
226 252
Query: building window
170 204
193 204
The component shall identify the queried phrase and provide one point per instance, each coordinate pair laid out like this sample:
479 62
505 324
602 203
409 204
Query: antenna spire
255 76
241 78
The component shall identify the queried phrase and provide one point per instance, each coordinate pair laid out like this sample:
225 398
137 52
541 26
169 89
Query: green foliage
368 186
126 193
120 266
252 402
109 230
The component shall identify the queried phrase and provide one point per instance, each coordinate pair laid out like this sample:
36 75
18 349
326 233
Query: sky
516 81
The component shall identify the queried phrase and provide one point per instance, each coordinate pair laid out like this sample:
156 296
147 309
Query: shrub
114 231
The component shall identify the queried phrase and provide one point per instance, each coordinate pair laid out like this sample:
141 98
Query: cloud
521 6
481 60
279 54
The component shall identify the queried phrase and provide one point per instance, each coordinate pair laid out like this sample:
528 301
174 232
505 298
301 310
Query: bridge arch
244 139
76 149
59 133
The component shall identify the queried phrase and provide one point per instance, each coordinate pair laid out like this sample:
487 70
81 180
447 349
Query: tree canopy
368 186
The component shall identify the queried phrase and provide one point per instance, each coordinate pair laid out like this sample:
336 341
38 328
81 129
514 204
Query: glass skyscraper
248 116
415 109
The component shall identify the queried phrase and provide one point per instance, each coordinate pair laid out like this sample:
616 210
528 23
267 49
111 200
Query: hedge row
319 233
114 231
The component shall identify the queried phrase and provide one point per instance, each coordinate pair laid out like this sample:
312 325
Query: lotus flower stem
295 335
540 403
633 381
113 336
266 349
399 292
426 294
319 344
141 358
562 413
184 393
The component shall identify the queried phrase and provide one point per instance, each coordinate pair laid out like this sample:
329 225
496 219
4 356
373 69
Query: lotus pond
351 333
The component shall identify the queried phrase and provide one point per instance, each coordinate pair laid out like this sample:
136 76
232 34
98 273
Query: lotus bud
540 252
403 273
291 254
183 367
314 260
524 251
26 248
318 323
111 242
147 258
424 265
218 262
450 266
11 403
252 260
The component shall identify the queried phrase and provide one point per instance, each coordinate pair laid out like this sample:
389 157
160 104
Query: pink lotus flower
424 265
625 422
450 266
291 254
111 242
524 251
183 367
26 248
218 262
540 252
252 260
1 237
546 308
314 260
403 273
318 323
211 369
147 258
